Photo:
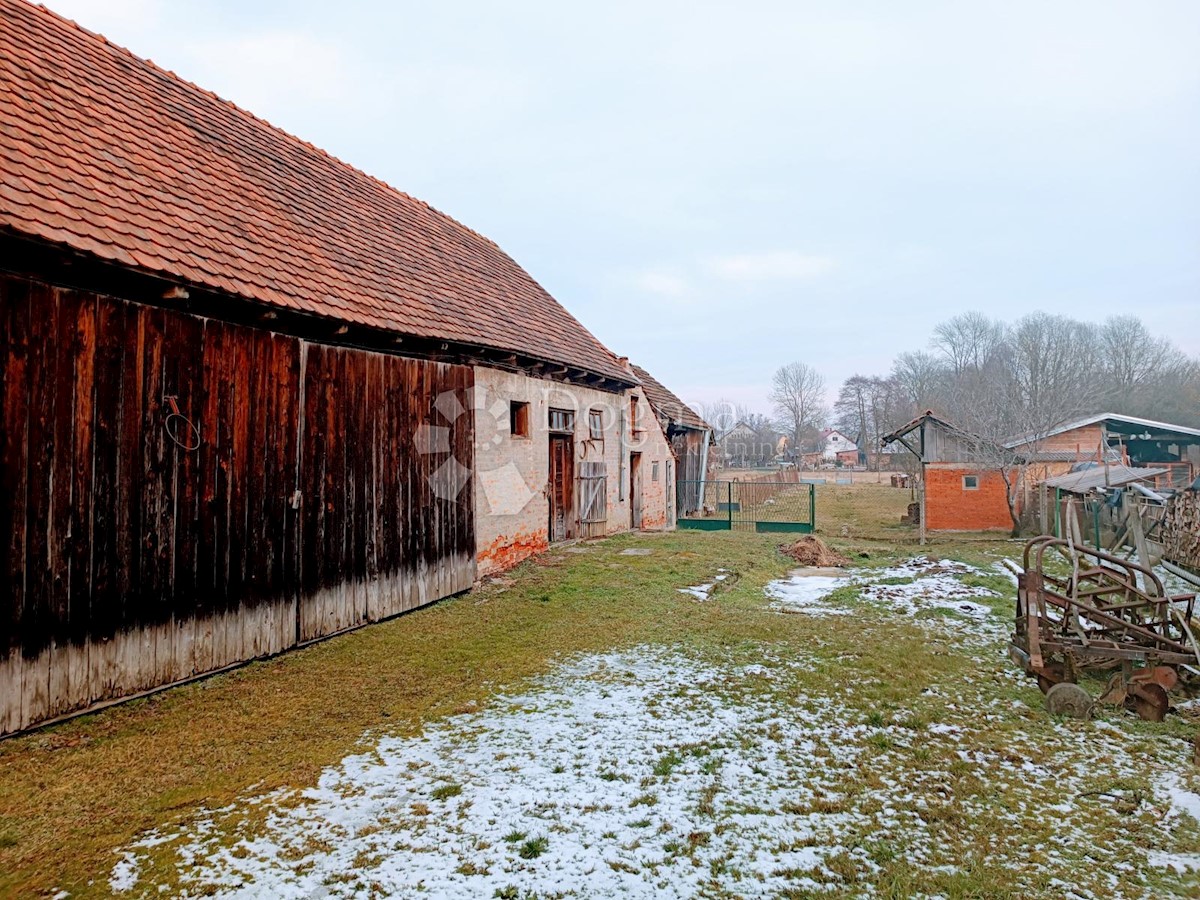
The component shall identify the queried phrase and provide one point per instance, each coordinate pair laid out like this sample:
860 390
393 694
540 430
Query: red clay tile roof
108 154
666 404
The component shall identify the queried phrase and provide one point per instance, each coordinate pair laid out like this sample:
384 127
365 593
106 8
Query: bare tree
968 341
721 414
919 377
1138 367
798 395
1055 371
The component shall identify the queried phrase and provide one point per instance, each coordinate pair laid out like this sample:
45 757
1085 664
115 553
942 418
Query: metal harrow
1080 609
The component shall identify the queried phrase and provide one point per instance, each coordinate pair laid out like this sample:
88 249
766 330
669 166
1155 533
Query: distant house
745 447
837 447
690 437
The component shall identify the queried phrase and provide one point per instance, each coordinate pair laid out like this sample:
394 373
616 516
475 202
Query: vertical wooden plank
287 388
113 319
82 545
210 507
39 524
155 666
265 513
237 641
294 555
15 316
224 592
313 547
185 355
59 537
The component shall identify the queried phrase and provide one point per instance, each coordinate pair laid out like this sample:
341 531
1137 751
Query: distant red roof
106 153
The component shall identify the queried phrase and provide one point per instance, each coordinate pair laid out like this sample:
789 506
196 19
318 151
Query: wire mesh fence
875 507
750 505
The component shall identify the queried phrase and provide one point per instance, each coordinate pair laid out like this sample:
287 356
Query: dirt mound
811 551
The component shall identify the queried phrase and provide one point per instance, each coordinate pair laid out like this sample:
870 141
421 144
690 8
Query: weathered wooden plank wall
287 500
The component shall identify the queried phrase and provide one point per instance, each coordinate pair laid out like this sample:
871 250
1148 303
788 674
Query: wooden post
1139 538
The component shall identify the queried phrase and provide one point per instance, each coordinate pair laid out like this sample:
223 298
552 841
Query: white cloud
778 265
662 284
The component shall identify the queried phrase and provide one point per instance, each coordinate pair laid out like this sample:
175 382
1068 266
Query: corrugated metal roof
107 154
1090 479
1148 424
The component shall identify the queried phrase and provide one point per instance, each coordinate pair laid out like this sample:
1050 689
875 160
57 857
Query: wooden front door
562 475
635 490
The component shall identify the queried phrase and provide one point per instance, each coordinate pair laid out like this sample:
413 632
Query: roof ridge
229 104
139 166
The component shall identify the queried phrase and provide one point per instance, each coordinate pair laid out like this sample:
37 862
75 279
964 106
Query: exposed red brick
507 551
950 507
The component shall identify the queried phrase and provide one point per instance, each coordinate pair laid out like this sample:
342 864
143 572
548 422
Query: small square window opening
970 482
518 418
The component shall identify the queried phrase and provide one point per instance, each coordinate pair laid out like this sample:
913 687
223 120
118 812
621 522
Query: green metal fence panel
764 506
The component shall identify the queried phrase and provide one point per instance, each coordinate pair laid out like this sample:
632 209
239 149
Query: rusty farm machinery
1081 610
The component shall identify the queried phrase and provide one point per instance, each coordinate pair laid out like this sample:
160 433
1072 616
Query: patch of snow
699 591
806 593
1176 862
934 584
1180 798
623 762
1006 570
124 876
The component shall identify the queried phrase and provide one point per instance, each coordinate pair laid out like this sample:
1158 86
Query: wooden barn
236 380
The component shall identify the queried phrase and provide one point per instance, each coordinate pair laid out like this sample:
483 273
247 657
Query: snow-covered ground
652 772
918 588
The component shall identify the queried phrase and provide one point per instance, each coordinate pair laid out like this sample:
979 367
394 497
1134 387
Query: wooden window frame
567 423
519 419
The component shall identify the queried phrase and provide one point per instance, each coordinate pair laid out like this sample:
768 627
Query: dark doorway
562 477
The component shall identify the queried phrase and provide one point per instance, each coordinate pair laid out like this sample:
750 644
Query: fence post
729 502
812 507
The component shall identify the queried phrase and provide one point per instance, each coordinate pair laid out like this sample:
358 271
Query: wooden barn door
593 498
562 460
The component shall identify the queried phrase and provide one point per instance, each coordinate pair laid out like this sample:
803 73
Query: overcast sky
717 189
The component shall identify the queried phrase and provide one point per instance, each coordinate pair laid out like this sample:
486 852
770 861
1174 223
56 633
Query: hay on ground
812 551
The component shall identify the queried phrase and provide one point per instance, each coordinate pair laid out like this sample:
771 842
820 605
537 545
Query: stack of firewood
1181 530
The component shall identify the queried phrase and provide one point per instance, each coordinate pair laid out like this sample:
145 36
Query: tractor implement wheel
1069 699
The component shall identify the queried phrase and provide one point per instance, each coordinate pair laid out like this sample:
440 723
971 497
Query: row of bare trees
993 378
998 379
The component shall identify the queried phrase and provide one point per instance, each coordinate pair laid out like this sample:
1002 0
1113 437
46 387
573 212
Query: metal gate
750 505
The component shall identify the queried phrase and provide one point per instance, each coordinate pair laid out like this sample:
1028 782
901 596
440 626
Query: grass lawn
583 712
